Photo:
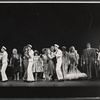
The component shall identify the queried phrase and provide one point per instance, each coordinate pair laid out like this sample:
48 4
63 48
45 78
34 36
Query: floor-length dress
25 63
74 73
65 63
30 76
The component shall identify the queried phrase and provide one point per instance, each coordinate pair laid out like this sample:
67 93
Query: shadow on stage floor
42 89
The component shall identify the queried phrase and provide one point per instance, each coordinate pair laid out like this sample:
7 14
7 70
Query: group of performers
52 63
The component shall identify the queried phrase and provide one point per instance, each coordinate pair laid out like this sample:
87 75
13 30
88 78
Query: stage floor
45 89
43 83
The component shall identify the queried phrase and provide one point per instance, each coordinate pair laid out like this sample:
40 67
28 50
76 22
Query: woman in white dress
30 77
74 73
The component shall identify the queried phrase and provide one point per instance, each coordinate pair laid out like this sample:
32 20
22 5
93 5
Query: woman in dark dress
15 62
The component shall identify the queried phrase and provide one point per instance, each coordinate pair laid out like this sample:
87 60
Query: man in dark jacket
89 60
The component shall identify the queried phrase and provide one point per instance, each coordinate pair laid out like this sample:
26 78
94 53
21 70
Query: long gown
25 63
65 63
74 73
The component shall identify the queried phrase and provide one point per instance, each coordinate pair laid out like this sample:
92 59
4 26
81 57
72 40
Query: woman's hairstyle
14 50
63 48
71 48
52 47
44 49
24 49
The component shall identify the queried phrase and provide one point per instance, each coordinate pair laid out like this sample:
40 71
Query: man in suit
89 60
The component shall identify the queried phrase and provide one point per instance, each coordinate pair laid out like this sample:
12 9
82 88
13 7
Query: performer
37 65
89 60
98 62
0 60
15 63
30 77
4 64
21 67
53 56
25 62
74 73
54 76
45 64
58 54
65 61
50 63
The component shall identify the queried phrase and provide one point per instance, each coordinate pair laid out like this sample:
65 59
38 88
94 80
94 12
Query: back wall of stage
42 25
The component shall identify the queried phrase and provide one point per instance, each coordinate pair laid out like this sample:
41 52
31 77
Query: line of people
53 63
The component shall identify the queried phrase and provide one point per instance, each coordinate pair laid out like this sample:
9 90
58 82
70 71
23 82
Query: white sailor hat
29 45
3 47
56 45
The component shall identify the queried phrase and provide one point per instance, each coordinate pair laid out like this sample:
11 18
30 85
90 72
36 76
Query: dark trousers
91 69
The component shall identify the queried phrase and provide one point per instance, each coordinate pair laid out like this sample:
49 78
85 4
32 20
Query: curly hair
71 48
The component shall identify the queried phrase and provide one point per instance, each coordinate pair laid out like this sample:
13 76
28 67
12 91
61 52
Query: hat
56 45
35 51
29 45
4 47
44 49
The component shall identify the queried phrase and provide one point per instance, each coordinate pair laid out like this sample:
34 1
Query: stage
43 83
45 89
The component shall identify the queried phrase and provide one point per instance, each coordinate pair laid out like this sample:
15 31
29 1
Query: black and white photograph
49 50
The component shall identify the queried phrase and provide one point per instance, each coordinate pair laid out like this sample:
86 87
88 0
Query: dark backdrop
42 25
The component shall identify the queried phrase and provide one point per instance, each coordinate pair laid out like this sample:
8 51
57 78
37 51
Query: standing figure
50 63
37 65
73 72
21 67
15 62
58 54
89 60
4 64
65 61
0 60
54 76
25 62
30 77
45 64
98 62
